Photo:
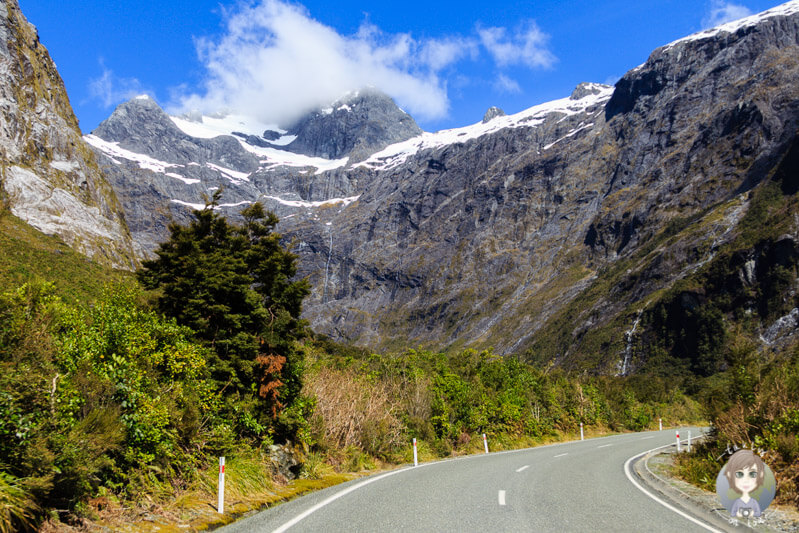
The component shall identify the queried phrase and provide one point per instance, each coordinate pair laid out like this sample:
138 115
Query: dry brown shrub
354 411
733 426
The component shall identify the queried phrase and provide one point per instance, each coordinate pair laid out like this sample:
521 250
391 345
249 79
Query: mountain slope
705 119
49 177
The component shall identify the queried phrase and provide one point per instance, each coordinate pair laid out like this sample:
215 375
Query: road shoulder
655 471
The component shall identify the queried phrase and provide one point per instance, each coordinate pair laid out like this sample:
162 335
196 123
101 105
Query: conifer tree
232 284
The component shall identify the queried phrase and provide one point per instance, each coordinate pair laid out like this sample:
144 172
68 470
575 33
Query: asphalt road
574 486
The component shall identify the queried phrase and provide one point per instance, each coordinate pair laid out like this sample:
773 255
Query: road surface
574 486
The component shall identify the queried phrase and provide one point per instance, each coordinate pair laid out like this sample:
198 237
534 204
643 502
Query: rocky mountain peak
356 125
719 52
136 122
492 113
587 89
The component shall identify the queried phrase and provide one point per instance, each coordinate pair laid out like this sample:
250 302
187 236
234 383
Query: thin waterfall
327 265
628 349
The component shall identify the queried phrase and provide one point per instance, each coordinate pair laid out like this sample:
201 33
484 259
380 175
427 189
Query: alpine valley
611 230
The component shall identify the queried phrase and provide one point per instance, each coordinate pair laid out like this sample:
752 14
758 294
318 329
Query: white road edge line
561 455
502 497
522 469
627 472
335 497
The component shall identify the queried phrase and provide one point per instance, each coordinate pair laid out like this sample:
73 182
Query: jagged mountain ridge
478 236
49 178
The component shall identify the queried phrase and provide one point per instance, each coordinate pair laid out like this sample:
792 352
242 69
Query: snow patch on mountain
283 140
302 203
572 133
113 150
205 127
232 175
272 158
200 207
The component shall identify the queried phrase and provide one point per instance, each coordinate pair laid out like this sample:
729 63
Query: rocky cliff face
486 235
49 177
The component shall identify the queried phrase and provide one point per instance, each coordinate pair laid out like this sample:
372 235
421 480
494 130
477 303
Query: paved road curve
575 486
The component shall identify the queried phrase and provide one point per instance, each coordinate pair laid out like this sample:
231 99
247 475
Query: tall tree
233 285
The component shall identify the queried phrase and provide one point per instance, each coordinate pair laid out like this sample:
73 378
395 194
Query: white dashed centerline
502 497
561 455
604 446
522 469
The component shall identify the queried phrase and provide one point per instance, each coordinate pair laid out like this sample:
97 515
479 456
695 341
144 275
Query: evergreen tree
232 284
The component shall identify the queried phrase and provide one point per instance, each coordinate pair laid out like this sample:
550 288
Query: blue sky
444 62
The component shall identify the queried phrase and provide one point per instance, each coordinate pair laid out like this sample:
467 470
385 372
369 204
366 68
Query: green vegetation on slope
29 256
377 403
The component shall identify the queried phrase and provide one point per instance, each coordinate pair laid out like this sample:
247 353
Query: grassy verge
29 256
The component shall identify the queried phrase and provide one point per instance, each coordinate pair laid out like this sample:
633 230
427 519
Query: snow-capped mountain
552 223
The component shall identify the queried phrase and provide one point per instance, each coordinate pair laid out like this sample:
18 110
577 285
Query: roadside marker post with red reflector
220 506
415 455
582 435
660 423
485 442
678 441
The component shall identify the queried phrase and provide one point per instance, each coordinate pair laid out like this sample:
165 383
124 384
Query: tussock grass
17 508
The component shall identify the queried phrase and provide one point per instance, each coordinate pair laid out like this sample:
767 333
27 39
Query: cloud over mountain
276 61
723 12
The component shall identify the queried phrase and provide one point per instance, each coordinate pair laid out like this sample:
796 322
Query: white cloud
276 62
722 12
441 53
110 89
526 46
505 84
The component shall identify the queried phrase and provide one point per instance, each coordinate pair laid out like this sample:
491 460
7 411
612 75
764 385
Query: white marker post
678 441
689 441
220 506
660 423
485 442
415 456
582 435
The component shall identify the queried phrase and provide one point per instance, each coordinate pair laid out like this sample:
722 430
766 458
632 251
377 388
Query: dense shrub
447 399
87 397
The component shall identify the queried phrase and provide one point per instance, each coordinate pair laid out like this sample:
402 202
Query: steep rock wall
49 177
